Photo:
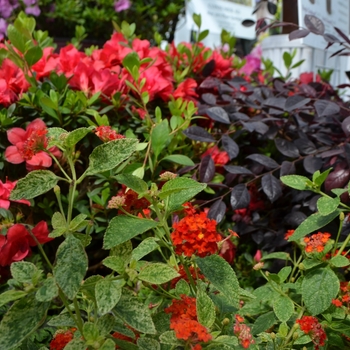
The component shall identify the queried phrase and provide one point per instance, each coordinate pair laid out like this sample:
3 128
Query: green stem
341 219
59 165
292 330
78 314
72 188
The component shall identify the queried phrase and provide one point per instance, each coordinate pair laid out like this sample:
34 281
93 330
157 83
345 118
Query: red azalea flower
28 145
186 90
5 192
46 64
309 77
228 251
106 133
310 325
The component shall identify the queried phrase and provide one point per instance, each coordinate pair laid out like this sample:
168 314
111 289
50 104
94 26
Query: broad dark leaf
331 38
248 23
287 148
208 68
326 108
305 146
275 102
345 125
217 211
239 116
259 127
230 146
307 90
298 34
312 164
295 218
337 52
314 24
271 7
271 186
208 98
287 168
343 35
198 134
218 114
267 162
240 197
337 179
347 153
296 101
210 83
206 169
237 170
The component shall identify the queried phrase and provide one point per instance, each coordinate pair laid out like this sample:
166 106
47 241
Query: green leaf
47 291
179 159
326 205
62 320
319 178
23 271
76 222
122 228
340 261
221 275
182 287
283 308
318 288
284 273
75 136
287 59
56 136
133 182
157 273
108 345
170 338
108 155
131 60
197 19
58 220
23 318
76 344
313 223
57 232
105 324
71 266
227 340
296 181
160 137
205 309
36 182
11 295
135 314
115 263
203 35
276 255
90 332
263 323
33 55
107 293
148 344
147 246
16 38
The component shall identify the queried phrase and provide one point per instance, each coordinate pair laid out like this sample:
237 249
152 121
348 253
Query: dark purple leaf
267 162
314 24
230 146
197 133
208 68
324 138
208 98
312 164
186 169
272 187
287 148
305 146
307 90
331 153
337 52
259 127
209 83
298 34
206 169
345 125
237 170
279 85
337 179
326 108
218 114
347 153
271 7
307 117
296 101
275 102
217 211
331 38
258 237
343 35
240 197
295 218
239 116
248 23
287 168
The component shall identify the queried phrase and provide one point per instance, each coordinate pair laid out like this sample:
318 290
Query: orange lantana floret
316 243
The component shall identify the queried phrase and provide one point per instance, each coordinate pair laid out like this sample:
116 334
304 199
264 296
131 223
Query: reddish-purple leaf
347 153
217 211
287 148
240 197
210 83
198 134
337 179
259 127
271 7
275 102
298 34
208 68
295 101
218 114
239 116
237 170
314 24
312 164
326 108
295 218
206 169
337 52
287 168
248 23
208 98
343 35
272 187
305 146
230 146
331 38
266 161
345 125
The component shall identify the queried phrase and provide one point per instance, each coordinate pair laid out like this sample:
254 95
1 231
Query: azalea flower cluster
310 325
5 192
184 322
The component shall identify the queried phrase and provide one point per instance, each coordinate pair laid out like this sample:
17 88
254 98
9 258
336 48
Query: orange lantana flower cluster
61 339
195 234
344 297
310 325
184 321
316 243
242 331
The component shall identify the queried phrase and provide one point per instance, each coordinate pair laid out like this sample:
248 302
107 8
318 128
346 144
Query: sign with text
222 14
333 13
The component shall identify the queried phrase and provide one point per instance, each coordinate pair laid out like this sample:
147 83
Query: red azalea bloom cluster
310 325
15 246
28 146
316 243
195 234
309 77
5 192
242 331
106 133
184 321
219 157
344 295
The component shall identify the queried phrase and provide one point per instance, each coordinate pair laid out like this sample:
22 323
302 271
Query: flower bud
258 266
225 321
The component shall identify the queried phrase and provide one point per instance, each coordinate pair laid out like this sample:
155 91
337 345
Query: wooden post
289 14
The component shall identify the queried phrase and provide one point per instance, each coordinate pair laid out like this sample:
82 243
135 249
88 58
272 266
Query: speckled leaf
147 246
47 291
11 295
108 155
296 181
263 323
75 136
327 205
105 323
24 317
122 228
221 275
135 314
23 271
76 344
148 344
62 320
56 137
205 309
107 293
108 345
71 266
157 273
169 337
133 182
37 182
58 220
283 308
